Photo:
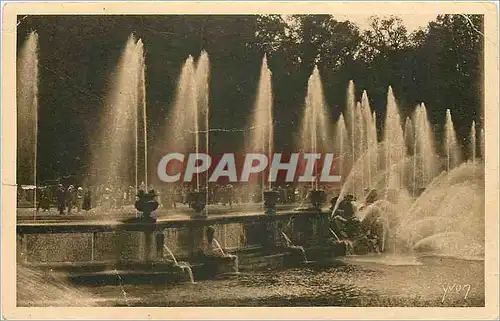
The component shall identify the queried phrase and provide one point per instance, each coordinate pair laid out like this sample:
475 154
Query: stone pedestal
197 201
270 201
317 198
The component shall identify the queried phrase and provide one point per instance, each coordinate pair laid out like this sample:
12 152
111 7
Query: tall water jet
183 117
314 131
424 146
27 112
363 146
451 148
482 144
435 220
121 135
202 74
261 135
341 144
351 120
359 143
408 134
410 144
370 133
473 141
142 108
393 139
375 139
187 127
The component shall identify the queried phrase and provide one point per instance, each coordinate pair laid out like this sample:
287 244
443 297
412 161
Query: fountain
453 204
295 248
473 140
375 140
351 123
393 138
146 204
261 133
184 266
142 107
451 150
314 138
270 200
202 74
367 158
370 131
383 156
446 218
361 143
408 134
406 160
124 129
189 119
426 162
341 144
483 155
410 144
177 135
27 114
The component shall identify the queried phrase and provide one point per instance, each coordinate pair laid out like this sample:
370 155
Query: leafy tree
451 55
440 65
385 37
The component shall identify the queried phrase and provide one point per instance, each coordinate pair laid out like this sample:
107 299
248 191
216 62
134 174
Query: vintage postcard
269 160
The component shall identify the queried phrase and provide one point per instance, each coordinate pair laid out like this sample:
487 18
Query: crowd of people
107 197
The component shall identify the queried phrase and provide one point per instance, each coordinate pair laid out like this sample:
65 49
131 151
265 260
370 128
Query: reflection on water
350 282
386 259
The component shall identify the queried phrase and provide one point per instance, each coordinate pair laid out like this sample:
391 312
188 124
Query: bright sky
411 21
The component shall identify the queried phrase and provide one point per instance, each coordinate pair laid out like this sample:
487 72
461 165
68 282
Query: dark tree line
440 65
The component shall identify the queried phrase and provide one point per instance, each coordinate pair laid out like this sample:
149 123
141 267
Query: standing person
70 197
184 195
60 198
177 195
285 191
38 199
44 201
79 199
282 194
118 198
107 199
100 195
87 201
124 195
173 195
230 195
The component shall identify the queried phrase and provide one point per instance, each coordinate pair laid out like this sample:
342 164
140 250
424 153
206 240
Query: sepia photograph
259 159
